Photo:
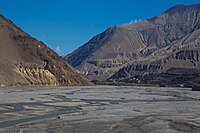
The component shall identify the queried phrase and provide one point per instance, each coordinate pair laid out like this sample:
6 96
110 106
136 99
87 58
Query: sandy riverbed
99 109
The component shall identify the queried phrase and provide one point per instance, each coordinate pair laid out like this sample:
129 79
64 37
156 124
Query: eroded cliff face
187 60
168 40
36 76
192 55
25 61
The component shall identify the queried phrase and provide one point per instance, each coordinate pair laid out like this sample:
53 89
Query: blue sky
65 25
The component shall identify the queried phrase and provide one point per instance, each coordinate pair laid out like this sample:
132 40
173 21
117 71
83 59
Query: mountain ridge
25 61
129 43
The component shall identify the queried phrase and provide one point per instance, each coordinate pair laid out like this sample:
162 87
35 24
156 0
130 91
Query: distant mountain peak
180 8
147 41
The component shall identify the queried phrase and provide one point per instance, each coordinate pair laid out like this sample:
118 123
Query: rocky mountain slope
161 44
25 61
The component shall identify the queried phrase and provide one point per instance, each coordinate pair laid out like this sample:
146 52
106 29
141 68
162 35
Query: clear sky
65 25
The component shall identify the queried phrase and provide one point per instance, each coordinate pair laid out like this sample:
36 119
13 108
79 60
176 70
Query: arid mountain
177 64
164 43
25 61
